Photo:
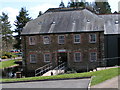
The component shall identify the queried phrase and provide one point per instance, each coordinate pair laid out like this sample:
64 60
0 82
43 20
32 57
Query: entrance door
62 57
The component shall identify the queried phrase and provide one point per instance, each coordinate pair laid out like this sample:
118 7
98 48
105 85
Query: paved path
73 83
112 83
11 59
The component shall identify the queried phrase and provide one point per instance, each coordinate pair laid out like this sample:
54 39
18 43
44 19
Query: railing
40 71
60 68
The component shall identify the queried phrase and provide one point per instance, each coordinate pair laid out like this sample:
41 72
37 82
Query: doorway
61 58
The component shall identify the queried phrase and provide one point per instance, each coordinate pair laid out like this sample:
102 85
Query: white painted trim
31 58
44 39
90 38
58 39
80 57
79 38
90 56
49 57
32 43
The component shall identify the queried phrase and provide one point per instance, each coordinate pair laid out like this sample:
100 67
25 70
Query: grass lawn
99 76
5 64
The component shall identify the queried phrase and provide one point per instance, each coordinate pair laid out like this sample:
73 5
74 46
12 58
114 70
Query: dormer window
88 21
53 22
116 22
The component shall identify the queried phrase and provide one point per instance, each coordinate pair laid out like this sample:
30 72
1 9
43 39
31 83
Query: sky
12 7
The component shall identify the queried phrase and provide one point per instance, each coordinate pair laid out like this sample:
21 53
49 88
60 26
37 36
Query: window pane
93 56
47 57
61 39
92 38
32 40
77 57
77 39
46 40
32 58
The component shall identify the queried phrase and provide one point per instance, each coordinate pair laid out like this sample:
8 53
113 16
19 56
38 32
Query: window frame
33 61
47 58
62 40
33 42
48 41
77 38
79 57
91 40
94 56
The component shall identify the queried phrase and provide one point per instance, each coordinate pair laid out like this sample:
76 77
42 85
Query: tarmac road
72 83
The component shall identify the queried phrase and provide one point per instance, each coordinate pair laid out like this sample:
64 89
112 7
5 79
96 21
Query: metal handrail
61 65
43 69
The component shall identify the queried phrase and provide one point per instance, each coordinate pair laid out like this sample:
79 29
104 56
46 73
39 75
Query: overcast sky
12 7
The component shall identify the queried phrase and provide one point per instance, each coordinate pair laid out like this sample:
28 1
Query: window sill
32 62
47 61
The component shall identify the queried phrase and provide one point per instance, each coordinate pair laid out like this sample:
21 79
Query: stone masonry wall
84 47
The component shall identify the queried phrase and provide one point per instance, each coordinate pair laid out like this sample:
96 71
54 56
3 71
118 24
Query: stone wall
53 48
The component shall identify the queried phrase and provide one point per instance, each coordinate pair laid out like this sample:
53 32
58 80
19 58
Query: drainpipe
24 56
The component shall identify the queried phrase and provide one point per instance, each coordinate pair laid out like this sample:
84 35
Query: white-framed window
93 56
46 39
33 58
32 40
92 38
47 57
77 38
61 39
77 56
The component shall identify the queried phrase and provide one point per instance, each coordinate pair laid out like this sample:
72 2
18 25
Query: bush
8 54
4 57
13 56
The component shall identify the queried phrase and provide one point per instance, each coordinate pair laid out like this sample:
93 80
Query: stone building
74 36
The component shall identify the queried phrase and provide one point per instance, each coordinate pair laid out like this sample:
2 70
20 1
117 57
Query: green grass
5 64
103 75
99 76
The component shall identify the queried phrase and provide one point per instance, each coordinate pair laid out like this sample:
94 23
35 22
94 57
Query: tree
6 36
76 4
40 13
62 5
21 21
102 7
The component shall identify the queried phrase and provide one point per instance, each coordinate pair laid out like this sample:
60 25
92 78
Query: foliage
14 56
8 54
77 4
4 57
102 7
5 64
99 76
40 13
97 7
20 22
62 5
7 37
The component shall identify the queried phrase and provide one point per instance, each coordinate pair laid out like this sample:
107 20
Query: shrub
8 54
4 57
13 56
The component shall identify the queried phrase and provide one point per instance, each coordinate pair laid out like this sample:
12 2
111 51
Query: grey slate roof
112 23
63 22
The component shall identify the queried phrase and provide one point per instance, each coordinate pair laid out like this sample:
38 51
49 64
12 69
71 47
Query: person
51 73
